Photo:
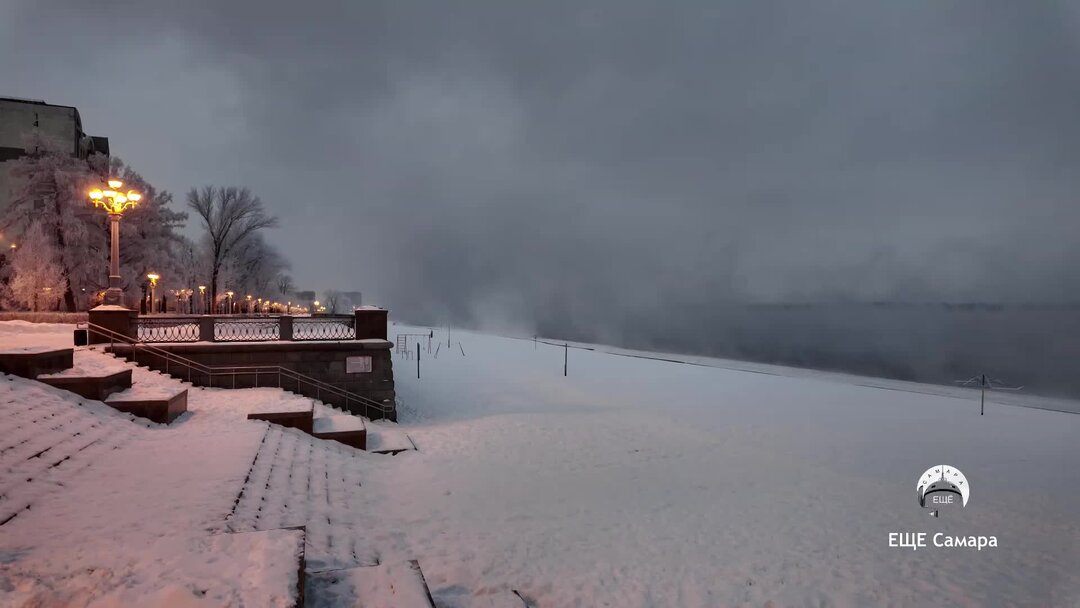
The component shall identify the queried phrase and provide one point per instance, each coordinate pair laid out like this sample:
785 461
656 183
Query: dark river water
1034 346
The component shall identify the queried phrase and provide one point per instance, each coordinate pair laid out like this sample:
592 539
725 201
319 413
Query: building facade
61 125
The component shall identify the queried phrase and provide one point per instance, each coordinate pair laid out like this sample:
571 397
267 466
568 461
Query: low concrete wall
324 361
44 317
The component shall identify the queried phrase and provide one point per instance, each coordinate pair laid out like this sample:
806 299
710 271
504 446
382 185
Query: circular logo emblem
942 486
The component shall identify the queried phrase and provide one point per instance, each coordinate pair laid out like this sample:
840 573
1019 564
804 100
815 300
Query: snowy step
346 429
161 404
288 414
95 384
297 479
396 585
32 361
270 565
387 438
244 569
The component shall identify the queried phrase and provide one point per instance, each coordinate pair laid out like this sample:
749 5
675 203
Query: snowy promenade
630 483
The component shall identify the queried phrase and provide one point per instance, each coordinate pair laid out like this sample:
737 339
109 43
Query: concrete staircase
112 386
333 425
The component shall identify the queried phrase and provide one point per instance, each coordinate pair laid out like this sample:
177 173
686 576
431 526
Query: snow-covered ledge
114 318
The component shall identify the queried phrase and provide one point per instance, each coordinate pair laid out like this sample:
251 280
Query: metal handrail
233 371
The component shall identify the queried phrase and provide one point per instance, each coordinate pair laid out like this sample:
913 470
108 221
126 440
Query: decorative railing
246 330
171 329
238 328
324 328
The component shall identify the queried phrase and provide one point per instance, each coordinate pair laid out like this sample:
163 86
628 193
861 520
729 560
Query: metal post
566 358
417 360
114 295
982 397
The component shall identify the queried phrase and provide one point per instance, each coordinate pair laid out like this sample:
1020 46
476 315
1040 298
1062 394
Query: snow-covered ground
631 482
636 482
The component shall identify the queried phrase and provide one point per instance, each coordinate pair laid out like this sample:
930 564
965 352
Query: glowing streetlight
202 299
114 203
153 276
230 294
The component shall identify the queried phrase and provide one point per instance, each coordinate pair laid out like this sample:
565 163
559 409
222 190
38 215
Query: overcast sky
544 161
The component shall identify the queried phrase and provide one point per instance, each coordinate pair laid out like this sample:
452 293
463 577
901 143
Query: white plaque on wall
358 365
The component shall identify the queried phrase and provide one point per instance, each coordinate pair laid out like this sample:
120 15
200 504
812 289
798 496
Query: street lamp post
153 276
202 299
114 203
230 294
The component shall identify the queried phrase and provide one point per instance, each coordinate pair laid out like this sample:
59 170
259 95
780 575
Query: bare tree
230 216
254 267
285 285
330 300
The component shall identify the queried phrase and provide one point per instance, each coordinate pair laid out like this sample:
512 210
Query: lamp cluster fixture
112 199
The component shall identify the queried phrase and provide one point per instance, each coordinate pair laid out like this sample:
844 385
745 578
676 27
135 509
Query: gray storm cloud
569 167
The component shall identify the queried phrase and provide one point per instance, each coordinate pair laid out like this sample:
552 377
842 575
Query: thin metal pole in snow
982 397
417 360
985 383
565 358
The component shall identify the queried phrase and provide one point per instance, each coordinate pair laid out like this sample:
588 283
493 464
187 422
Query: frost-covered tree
48 193
231 217
37 277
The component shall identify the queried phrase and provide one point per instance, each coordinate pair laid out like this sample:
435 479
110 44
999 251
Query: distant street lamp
202 299
114 203
230 294
153 276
